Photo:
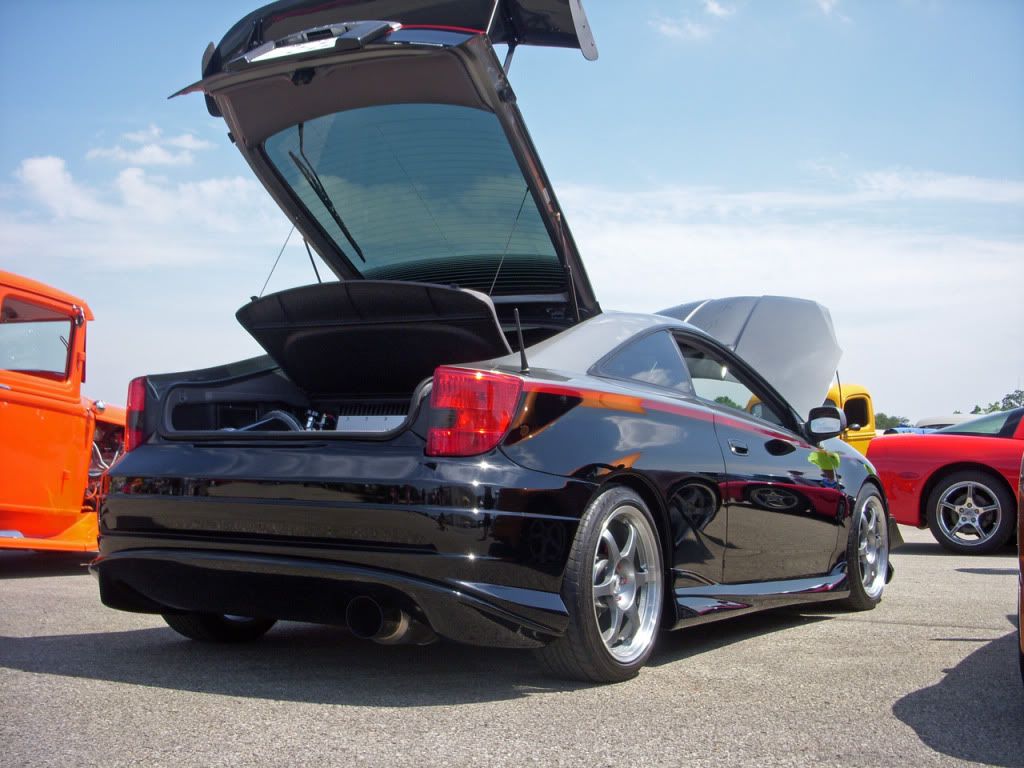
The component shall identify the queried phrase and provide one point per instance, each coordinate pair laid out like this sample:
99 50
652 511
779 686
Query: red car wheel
970 512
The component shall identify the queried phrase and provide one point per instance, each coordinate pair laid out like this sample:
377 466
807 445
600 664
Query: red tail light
475 408
134 432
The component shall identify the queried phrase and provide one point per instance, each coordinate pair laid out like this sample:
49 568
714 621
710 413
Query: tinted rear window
428 192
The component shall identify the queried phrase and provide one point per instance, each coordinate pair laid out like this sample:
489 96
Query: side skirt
711 602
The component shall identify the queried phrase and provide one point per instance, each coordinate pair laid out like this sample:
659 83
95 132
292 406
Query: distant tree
884 421
726 400
1014 399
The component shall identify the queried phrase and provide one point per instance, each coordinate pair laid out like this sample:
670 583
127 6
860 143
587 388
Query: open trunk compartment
352 358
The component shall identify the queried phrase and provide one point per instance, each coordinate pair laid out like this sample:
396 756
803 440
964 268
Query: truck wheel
970 512
214 628
613 588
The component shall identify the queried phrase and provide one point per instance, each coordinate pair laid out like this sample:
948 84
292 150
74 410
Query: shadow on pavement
692 641
326 665
934 548
989 571
976 712
294 662
21 564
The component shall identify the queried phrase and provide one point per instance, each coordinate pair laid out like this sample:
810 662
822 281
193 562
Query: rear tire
867 551
971 513
214 628
613 587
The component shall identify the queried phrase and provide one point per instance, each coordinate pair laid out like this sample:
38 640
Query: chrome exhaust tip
387 624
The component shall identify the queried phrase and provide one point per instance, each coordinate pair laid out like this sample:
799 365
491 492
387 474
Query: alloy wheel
627 584
969 513
873 546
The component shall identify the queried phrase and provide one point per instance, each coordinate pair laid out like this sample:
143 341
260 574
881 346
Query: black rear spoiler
557 23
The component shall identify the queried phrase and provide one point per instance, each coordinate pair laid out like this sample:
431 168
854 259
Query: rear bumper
475 547
299 589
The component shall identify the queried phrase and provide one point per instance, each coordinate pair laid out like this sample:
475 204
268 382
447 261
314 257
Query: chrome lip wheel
627 584
969 513
873 546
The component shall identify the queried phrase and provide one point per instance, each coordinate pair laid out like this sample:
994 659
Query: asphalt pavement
928 678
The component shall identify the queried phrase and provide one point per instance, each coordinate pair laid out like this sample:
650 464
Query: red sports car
1020 570
961 481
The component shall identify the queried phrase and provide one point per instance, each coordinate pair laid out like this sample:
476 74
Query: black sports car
599 476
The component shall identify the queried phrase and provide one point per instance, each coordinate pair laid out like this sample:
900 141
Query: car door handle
739 448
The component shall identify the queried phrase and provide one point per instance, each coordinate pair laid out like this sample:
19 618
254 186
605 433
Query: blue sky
869 155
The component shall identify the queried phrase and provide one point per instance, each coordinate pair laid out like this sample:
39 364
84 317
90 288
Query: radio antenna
524 367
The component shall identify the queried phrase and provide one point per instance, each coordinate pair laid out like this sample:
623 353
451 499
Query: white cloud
150 147
856 192
149 134
147 154
188 141
136 220
681 29
900 184
47 180
903 299
717 9
163 265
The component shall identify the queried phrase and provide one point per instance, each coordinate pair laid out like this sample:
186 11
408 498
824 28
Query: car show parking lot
928 678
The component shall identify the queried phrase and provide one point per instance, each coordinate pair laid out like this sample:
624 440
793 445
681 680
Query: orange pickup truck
54 443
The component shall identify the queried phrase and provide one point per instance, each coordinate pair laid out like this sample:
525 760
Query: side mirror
855 427
824 422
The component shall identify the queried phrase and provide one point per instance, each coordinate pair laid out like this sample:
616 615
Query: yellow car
855 402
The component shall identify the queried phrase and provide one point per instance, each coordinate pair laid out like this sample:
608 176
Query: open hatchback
389 134
392 465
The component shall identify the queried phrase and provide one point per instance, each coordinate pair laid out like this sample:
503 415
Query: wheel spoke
969 493
611 634
632 619
604 589
989 508
982 533
629 551
947 505
644 577
956 528
613 548
873 522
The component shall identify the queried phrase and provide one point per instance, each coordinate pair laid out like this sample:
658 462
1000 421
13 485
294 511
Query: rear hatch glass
427 192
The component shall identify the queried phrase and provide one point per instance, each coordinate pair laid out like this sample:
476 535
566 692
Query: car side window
713 381
654 359
34 339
